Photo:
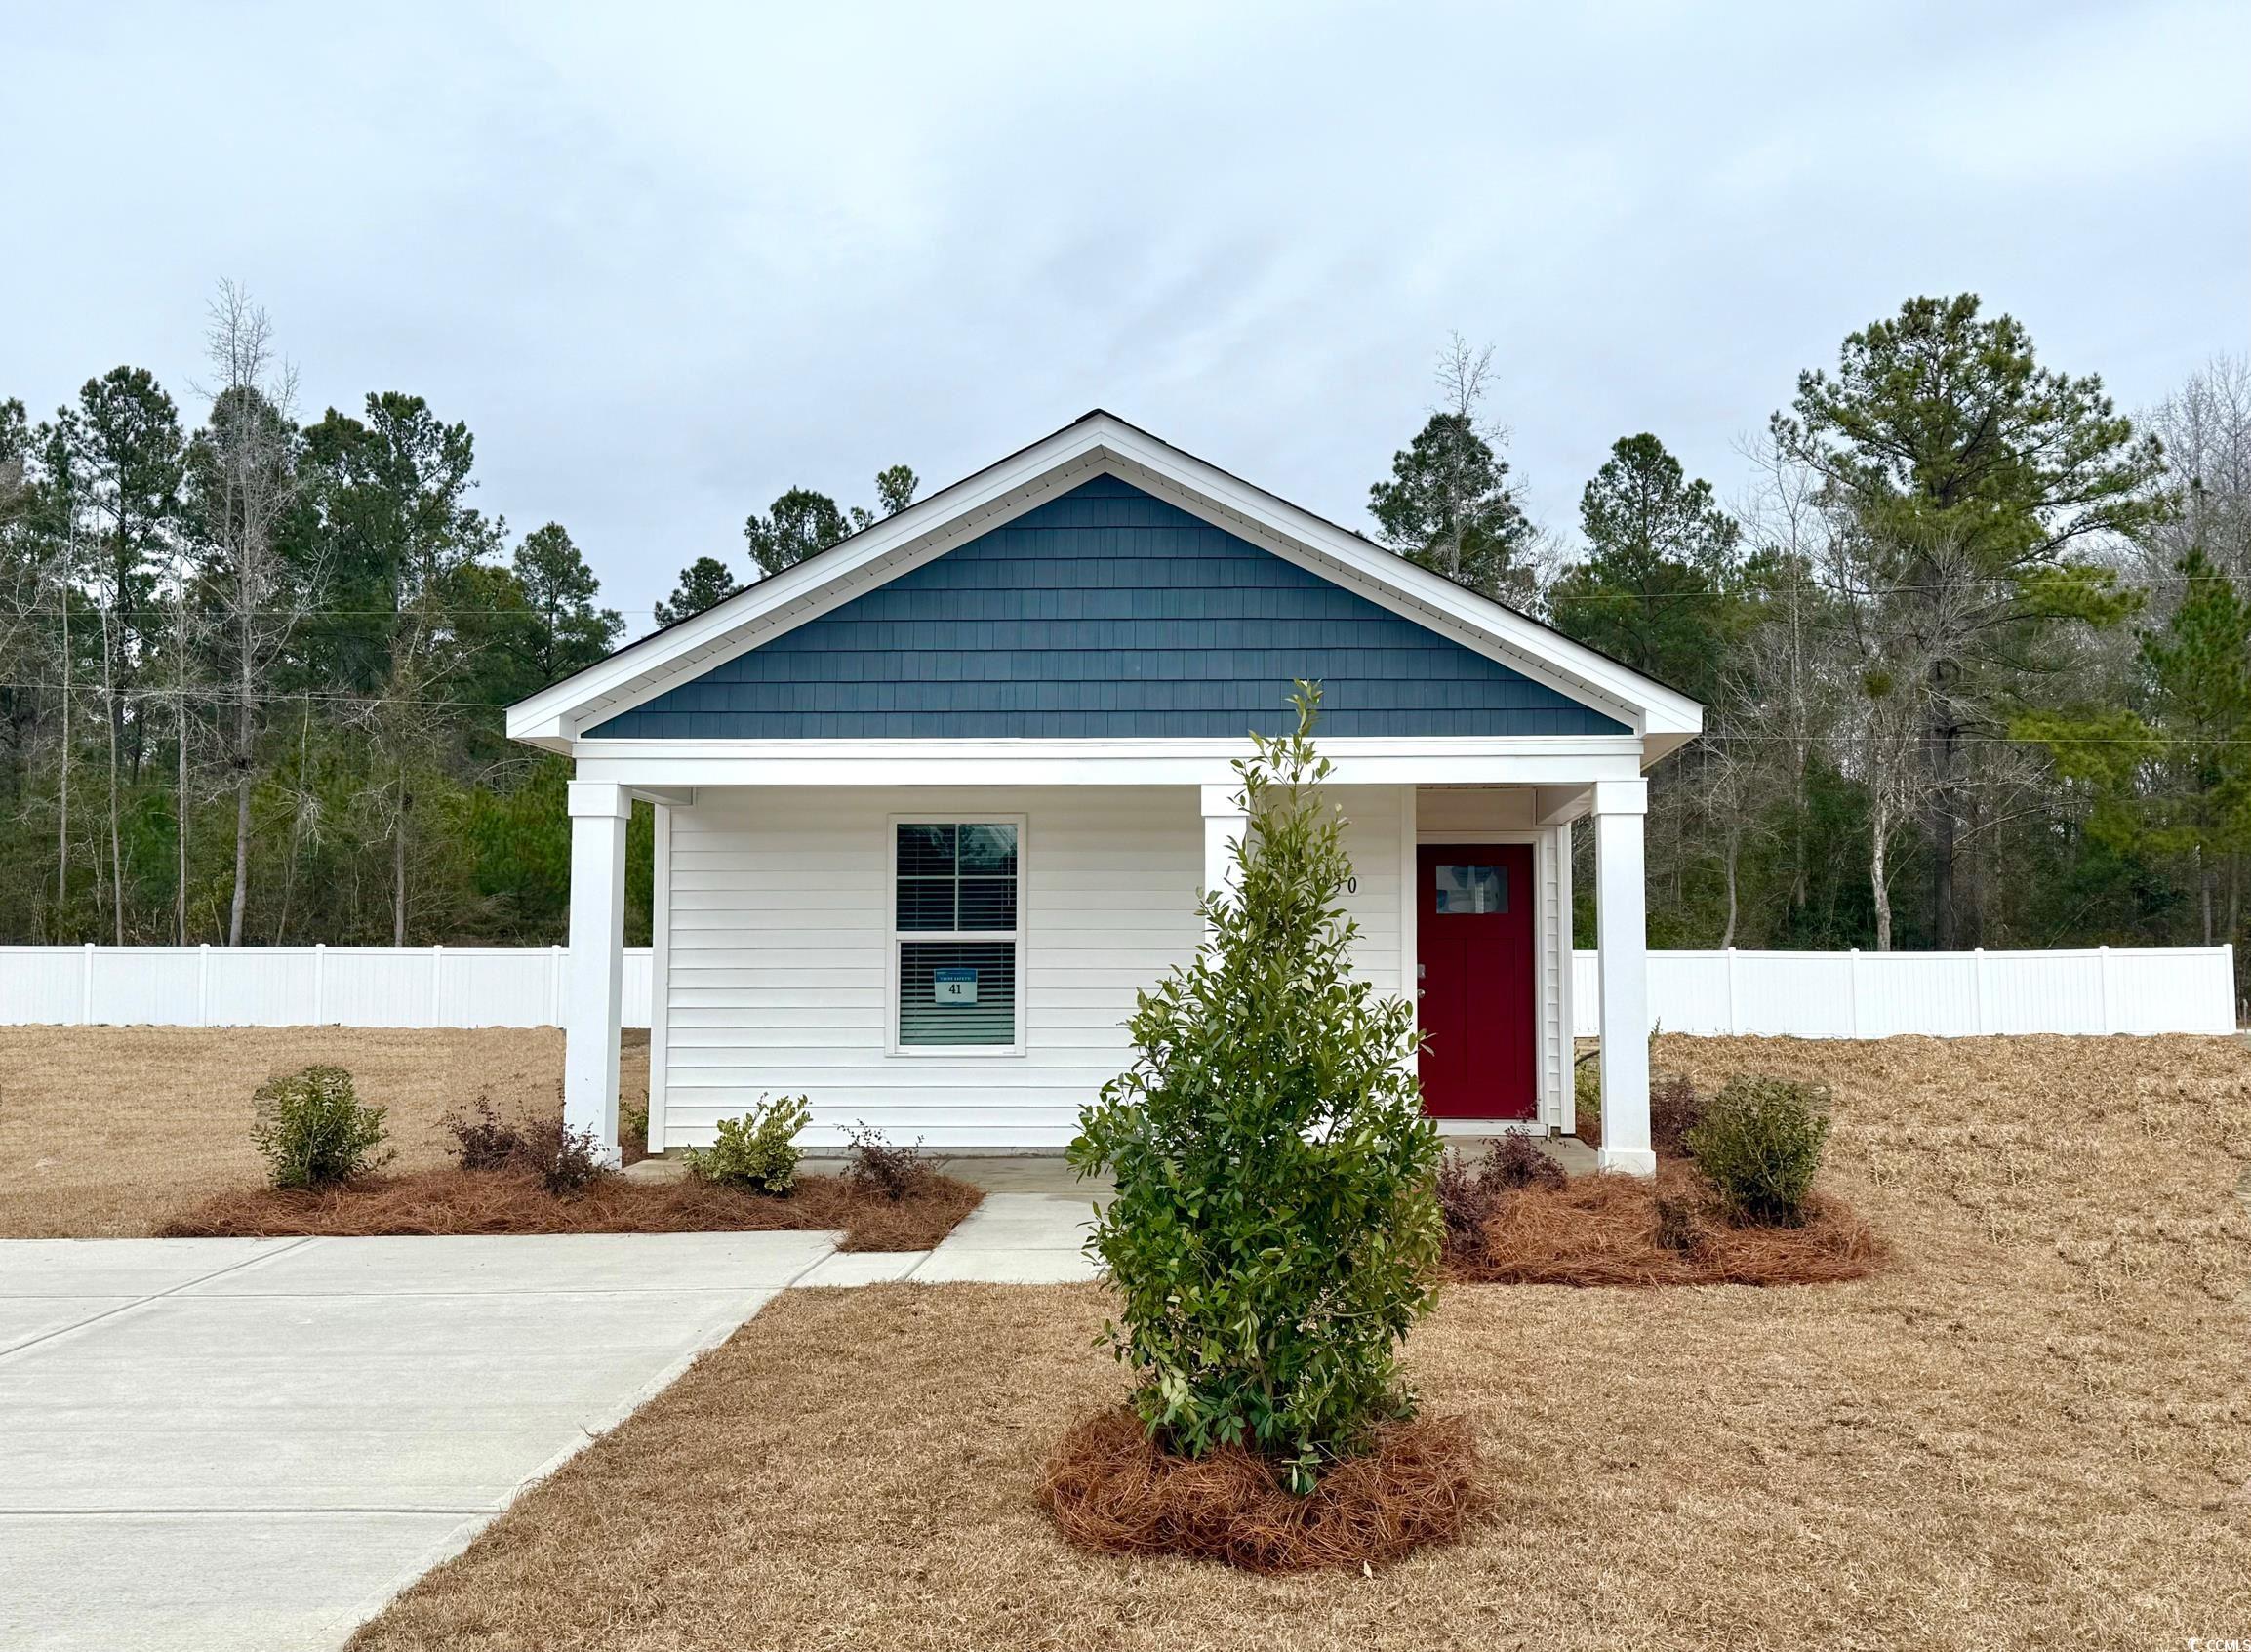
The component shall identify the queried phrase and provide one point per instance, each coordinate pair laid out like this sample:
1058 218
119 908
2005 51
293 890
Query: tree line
253 673
1976 647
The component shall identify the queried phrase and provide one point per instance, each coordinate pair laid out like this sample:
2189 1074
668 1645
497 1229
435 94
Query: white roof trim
1098 444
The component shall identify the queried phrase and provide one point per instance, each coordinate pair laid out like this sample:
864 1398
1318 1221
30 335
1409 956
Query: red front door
1473 943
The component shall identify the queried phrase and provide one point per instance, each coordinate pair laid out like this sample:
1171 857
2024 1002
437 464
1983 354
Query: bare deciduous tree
248 470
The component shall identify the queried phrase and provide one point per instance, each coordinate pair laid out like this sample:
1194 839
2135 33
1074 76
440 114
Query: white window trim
1020 935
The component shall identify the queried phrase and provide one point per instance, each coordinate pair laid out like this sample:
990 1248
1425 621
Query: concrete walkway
253 1443
1028 1231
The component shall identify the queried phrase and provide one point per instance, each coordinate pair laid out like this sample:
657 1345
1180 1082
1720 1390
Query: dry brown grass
513 1202
1111 1490
106 1131
2031 1431
1613 1230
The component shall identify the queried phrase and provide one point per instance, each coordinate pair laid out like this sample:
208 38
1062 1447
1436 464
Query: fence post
85 989
555 986
319 964
1978 991
1734 1020
202 985
438 984
2103 970
1852 992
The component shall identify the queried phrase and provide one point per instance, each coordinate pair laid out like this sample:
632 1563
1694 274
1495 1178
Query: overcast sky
669 261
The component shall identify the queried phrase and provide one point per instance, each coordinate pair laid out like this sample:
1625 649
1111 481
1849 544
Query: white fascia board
1093 446
1571 761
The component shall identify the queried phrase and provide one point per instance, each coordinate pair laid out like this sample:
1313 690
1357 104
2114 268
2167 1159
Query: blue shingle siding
1104 613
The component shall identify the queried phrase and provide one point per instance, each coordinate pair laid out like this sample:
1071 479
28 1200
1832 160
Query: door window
1472 889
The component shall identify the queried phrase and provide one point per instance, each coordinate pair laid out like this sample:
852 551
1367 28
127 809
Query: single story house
931 804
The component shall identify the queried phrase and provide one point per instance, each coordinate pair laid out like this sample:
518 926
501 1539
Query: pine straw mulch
1665 1230
515 1201
1114 1491
2032 1429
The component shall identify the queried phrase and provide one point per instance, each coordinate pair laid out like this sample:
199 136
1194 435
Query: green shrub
1275 1229
1760 1141
758 1151
314 1129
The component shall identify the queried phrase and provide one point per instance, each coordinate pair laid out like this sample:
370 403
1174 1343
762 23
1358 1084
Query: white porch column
599 813
1223 825
1622 933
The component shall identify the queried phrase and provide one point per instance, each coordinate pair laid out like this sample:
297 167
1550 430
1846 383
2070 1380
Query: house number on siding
1351 886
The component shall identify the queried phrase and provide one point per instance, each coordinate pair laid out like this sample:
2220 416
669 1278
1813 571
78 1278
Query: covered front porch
945 945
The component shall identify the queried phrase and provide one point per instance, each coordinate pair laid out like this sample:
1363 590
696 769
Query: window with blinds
956 927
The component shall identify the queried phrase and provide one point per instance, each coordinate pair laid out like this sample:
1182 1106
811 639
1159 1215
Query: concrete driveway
253 1443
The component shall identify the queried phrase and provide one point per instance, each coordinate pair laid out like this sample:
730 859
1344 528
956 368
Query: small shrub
1760 1141
1514 1161
883 1167
1674 1107
483 1140
1675 1224
633 1128
1470 1192
1464 1198
569 1162
758 1151
314 1129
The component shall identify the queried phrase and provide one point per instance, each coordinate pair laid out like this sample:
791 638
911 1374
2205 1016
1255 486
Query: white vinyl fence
1798 994
296 985
1943 994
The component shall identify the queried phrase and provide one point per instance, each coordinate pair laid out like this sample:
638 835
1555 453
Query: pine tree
1655 588
1449 507
703 584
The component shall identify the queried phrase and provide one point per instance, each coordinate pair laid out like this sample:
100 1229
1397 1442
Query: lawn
2032 1430
106 1131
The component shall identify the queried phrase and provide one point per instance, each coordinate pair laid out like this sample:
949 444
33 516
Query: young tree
1275 1227
703 584
1448 506
1941 430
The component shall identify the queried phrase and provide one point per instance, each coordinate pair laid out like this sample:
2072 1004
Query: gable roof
1097 444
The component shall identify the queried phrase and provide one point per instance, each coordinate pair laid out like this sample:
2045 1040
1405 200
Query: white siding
1372 840
781 928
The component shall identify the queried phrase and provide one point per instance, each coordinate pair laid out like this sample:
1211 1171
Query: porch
796 950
